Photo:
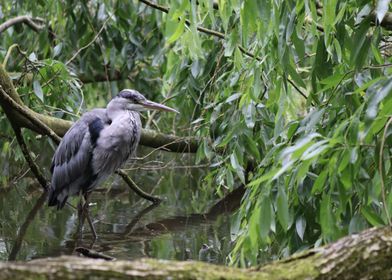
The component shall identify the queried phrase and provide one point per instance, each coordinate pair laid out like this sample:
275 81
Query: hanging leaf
265 217
382 9
300 226
327 219
283 209
38 90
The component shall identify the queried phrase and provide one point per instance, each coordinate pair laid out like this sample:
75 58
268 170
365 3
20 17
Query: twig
167 166
378 66
297 88
136 189
89 253
380 170
7 55
155 6
26 113
90 43
34 168
28 20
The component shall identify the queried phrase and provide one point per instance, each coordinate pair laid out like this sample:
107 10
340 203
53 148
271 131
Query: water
185 226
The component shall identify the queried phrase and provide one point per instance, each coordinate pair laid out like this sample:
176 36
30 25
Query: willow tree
290 98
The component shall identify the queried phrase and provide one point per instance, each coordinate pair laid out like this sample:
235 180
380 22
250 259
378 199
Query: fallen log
366 255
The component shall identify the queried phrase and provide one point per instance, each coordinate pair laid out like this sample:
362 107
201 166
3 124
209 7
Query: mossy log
366 255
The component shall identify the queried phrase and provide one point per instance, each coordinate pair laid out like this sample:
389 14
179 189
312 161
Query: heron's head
136 101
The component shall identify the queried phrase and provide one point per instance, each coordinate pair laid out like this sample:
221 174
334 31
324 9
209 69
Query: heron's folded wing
72 157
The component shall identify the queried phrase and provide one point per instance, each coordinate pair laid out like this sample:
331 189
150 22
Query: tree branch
26 113
136 189
33 167
28 20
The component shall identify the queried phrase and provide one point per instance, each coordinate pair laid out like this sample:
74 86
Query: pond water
188 224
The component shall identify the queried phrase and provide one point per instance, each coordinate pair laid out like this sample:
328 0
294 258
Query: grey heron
95 146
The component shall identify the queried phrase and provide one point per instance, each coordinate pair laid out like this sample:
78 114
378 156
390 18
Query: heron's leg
81 216
87 215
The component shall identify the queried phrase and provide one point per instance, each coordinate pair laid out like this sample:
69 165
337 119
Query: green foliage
301 121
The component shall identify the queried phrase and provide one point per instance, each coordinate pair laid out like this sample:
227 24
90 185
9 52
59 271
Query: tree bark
365 255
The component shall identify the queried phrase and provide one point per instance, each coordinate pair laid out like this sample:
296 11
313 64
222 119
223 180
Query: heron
95 146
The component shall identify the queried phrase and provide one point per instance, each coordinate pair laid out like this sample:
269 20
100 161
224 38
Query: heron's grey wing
71 161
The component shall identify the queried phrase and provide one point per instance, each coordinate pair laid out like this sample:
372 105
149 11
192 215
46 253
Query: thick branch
365 255
29 21
27 114
24 117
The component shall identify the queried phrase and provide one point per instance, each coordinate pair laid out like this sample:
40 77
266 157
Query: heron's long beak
157 106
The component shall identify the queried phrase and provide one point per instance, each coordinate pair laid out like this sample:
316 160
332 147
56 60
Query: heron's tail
56 199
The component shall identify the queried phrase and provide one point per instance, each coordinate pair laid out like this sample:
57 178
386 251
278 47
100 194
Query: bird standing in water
96 146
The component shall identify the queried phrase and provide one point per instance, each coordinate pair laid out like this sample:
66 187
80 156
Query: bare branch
28 20
136 189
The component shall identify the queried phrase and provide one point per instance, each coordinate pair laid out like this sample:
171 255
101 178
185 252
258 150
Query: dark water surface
190 223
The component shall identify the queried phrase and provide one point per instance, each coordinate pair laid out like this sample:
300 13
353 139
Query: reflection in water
128 227
22 230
